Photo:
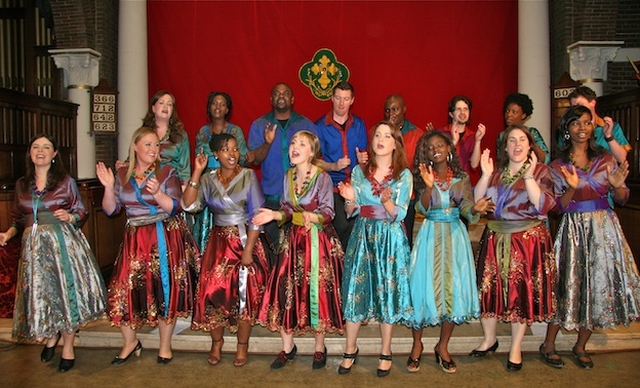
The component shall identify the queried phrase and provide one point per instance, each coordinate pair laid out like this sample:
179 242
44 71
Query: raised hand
617 178
608 126
429 127
480 132
426 172
250 157
153 186
486 163
362 156
346 191
200 162
533 162
105 175
570 175
270 133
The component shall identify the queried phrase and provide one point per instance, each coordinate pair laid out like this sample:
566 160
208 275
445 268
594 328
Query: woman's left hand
63 215
385 195
533 162
617 178
153 186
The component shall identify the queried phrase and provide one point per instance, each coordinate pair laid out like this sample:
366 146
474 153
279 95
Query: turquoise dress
177 156
375 282
442 278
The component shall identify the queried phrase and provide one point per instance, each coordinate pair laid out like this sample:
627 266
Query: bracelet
527 177
609 139
195 185
349 202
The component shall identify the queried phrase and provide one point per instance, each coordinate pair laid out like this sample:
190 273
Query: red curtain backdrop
428 51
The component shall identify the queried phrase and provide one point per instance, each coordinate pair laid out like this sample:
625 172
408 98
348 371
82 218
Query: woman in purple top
59 284
598 283
152 278
516 271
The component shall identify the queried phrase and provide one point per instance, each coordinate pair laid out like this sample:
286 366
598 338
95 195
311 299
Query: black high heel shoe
65 364
48 353
514 367
413 364
350 356
384 372
137 350
447 366
482 353
164 360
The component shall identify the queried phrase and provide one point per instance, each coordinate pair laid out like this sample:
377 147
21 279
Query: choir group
323 241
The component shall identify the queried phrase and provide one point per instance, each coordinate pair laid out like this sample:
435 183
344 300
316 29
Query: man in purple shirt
269 138
340 134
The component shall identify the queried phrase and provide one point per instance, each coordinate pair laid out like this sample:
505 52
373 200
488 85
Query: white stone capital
588 59
80 66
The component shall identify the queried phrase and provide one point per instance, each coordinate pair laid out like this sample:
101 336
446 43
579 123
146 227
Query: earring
53 160
171 121
567 136
449 157
430 162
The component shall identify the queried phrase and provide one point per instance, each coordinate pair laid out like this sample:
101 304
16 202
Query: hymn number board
103 109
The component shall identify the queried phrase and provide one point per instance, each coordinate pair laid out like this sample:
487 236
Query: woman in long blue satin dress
376 267
442 279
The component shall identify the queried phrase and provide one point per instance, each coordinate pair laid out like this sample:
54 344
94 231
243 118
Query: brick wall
92 24
574 20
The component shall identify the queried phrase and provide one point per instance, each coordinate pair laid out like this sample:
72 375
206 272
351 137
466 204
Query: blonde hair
135 138
314 142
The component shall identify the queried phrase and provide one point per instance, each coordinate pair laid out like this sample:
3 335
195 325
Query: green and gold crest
323 73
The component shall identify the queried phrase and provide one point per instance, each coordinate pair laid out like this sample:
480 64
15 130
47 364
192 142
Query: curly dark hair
56 171
399 157
176 127
522 100
218 141
570 115
422 158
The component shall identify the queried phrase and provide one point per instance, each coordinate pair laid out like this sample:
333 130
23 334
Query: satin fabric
59 284
443 278
219 300
518 285
598 283
376 267
135 294
287 302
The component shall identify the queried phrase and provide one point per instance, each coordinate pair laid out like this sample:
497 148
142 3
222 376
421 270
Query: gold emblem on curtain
322 73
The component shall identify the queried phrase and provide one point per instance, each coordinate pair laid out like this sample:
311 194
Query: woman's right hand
486 163
4 237
263 217
105 175
200 162
426 172
571 176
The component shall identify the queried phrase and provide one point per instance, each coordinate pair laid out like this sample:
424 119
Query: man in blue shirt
269 138
340 134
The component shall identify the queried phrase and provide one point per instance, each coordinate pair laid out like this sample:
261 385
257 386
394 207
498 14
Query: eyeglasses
578 124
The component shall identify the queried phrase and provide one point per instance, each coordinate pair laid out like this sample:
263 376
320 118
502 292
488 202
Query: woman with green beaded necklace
516 269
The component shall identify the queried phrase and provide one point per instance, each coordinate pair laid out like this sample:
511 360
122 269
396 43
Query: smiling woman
59 284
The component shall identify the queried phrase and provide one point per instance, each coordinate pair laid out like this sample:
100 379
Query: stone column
588 62
133 84
534 76
81 74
